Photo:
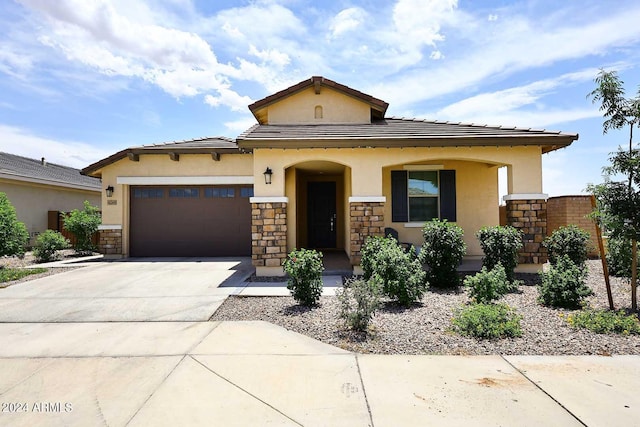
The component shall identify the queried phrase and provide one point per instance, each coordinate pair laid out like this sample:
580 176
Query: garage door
190 221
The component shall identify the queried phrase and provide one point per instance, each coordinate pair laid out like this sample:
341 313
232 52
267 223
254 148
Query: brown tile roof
23 168
206 145
378 106
400 132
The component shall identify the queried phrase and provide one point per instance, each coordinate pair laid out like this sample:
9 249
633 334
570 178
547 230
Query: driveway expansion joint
523 373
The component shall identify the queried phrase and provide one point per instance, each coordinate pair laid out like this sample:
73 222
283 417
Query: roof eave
559 141
53 183
93 169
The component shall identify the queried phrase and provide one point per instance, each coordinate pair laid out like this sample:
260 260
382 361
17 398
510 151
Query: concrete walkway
255 373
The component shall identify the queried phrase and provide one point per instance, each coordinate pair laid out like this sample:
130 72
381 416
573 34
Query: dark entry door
321 214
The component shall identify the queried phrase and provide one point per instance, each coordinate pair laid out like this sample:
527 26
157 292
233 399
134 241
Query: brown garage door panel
189 226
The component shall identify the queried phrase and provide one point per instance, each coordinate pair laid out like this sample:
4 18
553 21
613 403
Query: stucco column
528 213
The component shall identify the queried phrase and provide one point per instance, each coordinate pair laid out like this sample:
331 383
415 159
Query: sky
83 79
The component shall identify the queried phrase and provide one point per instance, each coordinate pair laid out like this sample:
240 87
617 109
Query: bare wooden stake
603 257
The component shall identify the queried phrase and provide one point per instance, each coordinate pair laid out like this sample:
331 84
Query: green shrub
9 274
488 285
487 321
400 272
13 233
47 244
571 241
619 257
83 223
442 251
605 322
563 285
359 299
500 246
304 268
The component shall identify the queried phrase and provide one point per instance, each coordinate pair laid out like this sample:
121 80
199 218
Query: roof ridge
184 141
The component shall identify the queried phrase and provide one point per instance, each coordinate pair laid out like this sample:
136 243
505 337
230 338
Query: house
36 187
322 168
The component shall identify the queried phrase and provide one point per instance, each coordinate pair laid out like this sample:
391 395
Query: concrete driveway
143 289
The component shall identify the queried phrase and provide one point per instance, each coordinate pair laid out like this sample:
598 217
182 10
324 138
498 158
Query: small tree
359 299
304 267
400 272
487 286
442 251
83 223
13 233
500 246
619 201
563 285
48 244
571 241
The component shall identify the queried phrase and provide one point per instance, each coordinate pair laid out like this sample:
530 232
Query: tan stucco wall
160 165
33 201
301 108
369 171
477 202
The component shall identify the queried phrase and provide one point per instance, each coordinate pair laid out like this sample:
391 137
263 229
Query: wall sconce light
109 191
267 175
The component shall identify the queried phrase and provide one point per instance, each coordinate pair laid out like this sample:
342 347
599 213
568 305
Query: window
219 192
423 195
184 192
246 192
148 193
419 196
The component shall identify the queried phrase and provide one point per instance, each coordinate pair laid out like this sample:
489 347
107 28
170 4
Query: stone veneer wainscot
268 234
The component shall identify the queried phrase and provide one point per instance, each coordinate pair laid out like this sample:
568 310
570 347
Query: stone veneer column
268 234
366 219
530 216
110 240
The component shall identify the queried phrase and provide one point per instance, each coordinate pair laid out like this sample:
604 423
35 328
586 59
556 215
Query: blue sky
82 79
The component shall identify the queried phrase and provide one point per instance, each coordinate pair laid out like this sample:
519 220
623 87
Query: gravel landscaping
424 328
29 260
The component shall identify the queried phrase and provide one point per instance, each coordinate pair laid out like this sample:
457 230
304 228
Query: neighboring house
323 168
36 187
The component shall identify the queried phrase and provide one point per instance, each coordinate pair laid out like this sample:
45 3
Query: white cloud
96 34
436 54
492 17
346 21
229 98
418 23
68 153
510 46
239 126
270 56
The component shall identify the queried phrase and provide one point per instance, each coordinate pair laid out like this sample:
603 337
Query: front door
321 214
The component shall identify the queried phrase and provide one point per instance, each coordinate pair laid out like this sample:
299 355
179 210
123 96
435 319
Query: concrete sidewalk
255 373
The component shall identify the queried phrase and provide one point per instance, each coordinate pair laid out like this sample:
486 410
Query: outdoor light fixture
109 191
267 175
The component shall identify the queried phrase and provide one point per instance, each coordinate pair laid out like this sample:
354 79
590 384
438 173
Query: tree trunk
634 275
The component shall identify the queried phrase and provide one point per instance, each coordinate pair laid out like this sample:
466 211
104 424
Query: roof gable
259 109
32 170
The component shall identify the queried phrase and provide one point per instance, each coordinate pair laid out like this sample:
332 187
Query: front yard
424 328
